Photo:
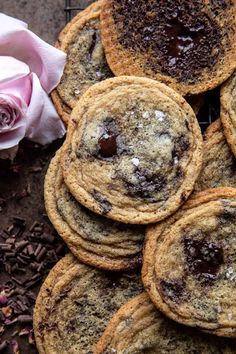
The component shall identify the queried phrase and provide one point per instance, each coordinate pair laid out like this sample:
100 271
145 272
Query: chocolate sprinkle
29 246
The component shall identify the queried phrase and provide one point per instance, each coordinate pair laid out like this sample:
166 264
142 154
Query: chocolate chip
181 146
203 258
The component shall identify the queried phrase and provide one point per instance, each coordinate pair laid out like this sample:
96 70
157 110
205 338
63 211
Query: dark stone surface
21 182
45 18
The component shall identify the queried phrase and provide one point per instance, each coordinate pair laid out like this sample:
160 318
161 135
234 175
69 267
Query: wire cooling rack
72 7
209 110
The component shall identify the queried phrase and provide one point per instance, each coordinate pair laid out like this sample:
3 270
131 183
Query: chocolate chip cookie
75 303
92 238
86 63
134 150
138 328
190 263
228 111
219 163
189 45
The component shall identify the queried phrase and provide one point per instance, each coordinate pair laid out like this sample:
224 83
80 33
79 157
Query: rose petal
19 88
43 123
7 20
43 59
11 135
12 69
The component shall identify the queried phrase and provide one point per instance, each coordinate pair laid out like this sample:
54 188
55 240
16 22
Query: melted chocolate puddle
178 38
181 39
203 258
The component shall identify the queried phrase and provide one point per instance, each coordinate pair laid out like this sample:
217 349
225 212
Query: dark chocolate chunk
181 146
203 258
108 144
103 202
93 44
173 289
146 184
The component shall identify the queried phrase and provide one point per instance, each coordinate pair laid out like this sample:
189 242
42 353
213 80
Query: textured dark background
45 17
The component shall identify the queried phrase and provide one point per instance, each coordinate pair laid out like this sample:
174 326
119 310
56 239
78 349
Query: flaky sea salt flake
77 92
159 115
135 161
146 115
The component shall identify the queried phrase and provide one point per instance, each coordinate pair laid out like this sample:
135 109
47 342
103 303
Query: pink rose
29 70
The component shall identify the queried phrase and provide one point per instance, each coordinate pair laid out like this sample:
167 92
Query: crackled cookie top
86 63
75 303
190 263
139 328
189 45
219 163
134 150
228 111
94 239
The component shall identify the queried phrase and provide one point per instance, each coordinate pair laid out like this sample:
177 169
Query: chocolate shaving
3 345
25 319
27 254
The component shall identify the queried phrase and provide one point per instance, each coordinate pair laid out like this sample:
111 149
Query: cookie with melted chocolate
189 45
75 304
139 328
92 238
133 151
228 111
85 64
219 163
190 263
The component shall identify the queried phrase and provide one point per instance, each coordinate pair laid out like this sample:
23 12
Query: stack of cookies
134 184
